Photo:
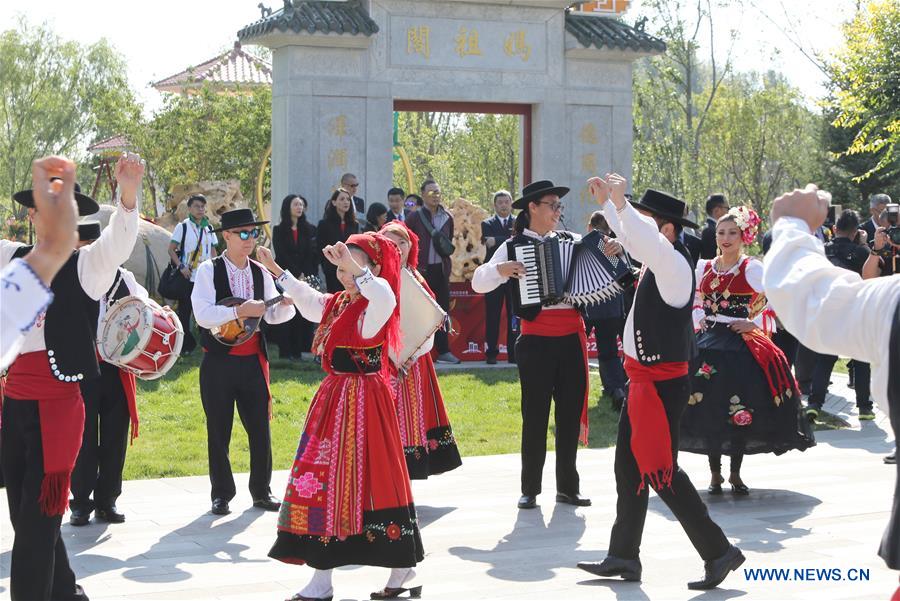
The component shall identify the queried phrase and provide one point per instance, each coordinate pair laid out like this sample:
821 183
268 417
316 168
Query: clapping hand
599 190
129 175
612 187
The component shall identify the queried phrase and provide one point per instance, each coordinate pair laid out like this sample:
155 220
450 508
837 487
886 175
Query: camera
892 214
834 211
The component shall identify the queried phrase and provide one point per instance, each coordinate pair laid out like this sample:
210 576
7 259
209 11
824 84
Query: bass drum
140 337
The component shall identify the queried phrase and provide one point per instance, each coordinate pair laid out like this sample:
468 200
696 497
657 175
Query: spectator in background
376 216
350 183
338 224
294 243
494 232
431 223
396 198
877 204
413 202
607 321
716 206
193 242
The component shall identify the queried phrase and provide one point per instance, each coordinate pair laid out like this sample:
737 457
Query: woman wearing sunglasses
232 375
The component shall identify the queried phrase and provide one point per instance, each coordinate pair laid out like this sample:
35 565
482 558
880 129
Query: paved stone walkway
824 509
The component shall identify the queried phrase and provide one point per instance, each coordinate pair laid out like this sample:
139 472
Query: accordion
560 270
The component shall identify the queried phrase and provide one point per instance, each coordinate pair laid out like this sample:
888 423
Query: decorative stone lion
467 218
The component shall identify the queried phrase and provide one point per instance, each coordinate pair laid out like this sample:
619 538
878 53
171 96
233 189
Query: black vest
529 313
223 291
663 334
70 327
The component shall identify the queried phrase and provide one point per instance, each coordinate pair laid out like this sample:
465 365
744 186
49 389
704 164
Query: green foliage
471 155
483 405
56 97
208 136
866 77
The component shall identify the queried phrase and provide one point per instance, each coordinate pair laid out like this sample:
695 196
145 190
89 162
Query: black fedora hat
238 218
666 206
536 191
86 204
88 230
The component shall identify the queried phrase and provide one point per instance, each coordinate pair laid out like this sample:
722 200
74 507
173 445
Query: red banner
467 313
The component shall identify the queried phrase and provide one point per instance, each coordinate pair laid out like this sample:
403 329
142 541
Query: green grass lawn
483 406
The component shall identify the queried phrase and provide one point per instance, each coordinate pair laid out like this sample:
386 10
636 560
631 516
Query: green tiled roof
314 17
611 33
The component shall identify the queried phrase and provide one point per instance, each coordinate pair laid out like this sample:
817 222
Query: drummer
43 414
109 407
237 375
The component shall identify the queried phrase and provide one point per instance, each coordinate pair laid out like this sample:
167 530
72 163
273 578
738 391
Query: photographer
811 295
845 251
886 243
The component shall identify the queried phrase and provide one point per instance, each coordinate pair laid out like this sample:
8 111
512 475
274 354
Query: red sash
651 442
61 414
562 322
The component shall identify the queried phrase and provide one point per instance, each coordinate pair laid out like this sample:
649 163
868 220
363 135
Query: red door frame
495 108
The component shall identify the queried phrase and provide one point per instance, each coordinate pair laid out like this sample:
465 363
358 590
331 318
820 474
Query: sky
163 37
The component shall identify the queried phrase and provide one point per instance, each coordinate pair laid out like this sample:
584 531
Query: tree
207 136
56 97
866 74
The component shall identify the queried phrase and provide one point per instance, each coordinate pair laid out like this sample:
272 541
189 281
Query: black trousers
681 498
550 367
787 343
493 307
98 470
40 567
804 363
612 373
226 381
185 311
821 376
440 284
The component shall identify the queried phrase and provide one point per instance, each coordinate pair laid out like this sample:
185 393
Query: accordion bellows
559 270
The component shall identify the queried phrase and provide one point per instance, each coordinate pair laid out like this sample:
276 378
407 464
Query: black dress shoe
717 569
79 594
628 569
109 514
527 502
891 459
576 499
489 361
740 489
394 593
220 507
269 503
80 517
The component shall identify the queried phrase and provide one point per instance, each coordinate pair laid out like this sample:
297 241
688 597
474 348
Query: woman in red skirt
348 499
425 430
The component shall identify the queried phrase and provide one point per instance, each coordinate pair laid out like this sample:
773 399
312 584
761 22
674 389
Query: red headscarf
412 259
384 253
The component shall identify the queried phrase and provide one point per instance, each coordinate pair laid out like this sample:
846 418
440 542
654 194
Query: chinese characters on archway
466 43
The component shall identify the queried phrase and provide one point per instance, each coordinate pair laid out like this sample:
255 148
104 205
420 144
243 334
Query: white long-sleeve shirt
209 315
311 303
97 264
134 289
641 238
487 277
829 309
23 297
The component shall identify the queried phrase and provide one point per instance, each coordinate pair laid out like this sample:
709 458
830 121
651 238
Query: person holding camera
193 242
877 205
845 251
810 294
886 241
434 227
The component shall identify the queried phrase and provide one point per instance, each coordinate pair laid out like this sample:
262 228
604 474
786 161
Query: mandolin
239 331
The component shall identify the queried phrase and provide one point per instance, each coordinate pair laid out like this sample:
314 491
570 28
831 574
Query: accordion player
562 269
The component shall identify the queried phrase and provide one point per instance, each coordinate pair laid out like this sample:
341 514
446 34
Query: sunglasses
554 206
247 234
410 203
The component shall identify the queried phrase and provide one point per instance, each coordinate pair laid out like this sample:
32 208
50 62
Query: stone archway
341 67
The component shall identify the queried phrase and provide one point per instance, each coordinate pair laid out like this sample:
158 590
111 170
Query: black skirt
731 408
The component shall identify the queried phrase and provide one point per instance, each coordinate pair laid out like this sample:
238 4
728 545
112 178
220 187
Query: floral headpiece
746 219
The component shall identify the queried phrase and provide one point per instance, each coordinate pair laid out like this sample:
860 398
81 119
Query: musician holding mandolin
551 353
232 294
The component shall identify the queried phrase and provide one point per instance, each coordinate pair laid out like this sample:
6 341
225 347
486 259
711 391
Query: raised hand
339 255
809 204
129 175
55 202
264 256
617 187
599 190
